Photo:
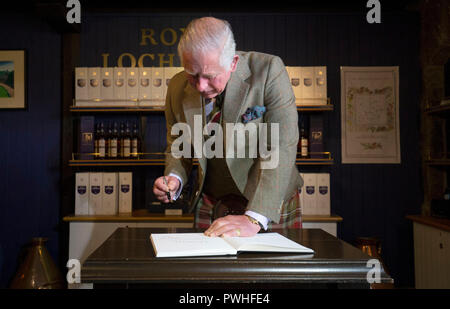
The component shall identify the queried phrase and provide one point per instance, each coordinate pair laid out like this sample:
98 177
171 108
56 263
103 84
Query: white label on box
323 194
110 194
294 77
82 193
81 84
307 82
94 85
320 90
125 192
157 89
120 89
309 198
132 83
95 193
145 80
107 89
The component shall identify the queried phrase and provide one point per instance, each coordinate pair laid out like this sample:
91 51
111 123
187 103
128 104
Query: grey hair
206 34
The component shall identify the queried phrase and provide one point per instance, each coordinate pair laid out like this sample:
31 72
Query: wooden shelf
299 161
117 109
136 109
315 108
160 162
139 215
121 162
439 110
440 223
140 162
143 215
438 162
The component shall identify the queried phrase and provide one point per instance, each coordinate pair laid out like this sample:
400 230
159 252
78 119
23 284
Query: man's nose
202 84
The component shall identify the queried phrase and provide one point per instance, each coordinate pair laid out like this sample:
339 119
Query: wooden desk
126 259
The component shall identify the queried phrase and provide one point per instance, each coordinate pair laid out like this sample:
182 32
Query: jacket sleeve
179 166
268 184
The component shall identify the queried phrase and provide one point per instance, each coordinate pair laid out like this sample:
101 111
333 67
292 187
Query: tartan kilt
292 220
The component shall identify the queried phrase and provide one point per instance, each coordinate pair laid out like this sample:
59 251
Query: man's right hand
160 188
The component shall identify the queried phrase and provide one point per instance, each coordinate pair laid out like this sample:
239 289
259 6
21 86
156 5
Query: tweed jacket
259 80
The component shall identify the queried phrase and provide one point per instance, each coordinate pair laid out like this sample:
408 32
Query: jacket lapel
237 90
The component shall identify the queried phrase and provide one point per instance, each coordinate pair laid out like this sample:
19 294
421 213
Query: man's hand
232 226
160 188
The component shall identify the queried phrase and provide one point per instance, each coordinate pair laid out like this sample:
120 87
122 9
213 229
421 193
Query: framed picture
370 115
12 79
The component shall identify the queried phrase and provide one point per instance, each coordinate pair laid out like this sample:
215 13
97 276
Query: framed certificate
370 115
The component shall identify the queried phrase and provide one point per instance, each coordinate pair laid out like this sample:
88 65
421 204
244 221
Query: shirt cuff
177 194
261 219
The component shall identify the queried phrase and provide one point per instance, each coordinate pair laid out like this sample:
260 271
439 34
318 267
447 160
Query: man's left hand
232 226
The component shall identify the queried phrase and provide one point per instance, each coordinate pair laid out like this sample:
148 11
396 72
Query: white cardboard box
307 83
157 89
170 72
107 89
132 84
120 88
323 194
320 90
110 194
81 85
94 85
145 81
310 193
82 190
294 77
125 192
95 193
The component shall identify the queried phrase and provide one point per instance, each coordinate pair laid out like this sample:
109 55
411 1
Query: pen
168 192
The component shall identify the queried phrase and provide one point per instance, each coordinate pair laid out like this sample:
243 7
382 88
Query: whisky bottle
126 142
108 137
101 142
113 141
135 142
96 137
303 142
120 145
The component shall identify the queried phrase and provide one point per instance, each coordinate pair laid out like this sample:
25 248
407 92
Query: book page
267 242
189 244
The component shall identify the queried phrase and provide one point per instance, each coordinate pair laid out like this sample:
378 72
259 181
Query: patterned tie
214 115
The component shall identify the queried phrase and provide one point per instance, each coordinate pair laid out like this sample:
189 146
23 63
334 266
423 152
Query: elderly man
235 196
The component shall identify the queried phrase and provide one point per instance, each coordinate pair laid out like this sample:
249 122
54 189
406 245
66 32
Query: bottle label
101 148
126 148
134 147
304 150
113 148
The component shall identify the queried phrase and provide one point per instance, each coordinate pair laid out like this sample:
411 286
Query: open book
197 244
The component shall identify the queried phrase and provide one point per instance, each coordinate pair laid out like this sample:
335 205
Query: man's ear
234 63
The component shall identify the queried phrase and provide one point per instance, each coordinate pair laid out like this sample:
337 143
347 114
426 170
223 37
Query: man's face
205 73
